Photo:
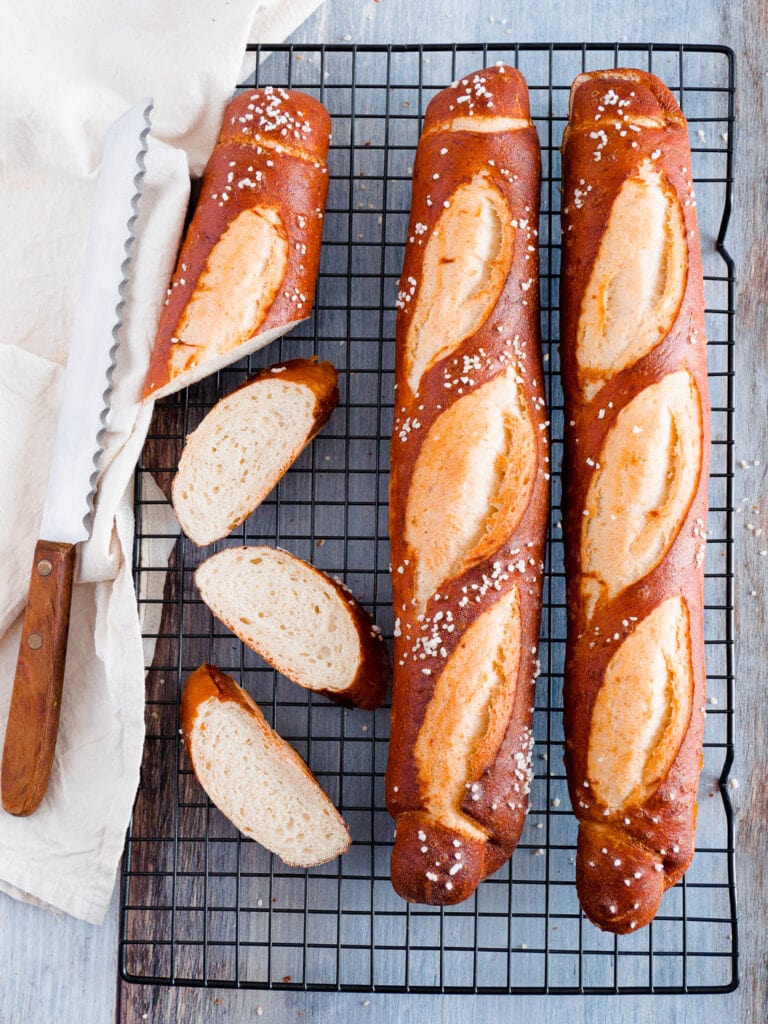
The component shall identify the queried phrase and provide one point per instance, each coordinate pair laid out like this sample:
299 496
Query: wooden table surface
59 969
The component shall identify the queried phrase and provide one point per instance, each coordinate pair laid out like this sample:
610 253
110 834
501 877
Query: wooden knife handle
33 719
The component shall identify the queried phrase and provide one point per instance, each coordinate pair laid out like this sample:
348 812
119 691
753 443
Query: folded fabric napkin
69 71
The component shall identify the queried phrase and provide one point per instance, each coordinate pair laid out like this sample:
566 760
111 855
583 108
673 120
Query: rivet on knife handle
33 719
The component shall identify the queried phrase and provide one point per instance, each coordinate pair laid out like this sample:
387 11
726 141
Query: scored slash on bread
246 443
253 776
305 624
247 269
636 472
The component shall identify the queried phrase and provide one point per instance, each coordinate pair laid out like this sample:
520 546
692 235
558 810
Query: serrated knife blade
87 384
33 718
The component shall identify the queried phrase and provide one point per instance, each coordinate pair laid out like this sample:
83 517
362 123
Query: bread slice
253 776
247 442
301 621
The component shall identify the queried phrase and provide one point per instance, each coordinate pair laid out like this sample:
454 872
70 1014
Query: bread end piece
612 92
247 269
259 782
619 882
288 118
430 864
489 94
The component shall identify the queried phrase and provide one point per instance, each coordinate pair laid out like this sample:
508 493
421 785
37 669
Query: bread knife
33 719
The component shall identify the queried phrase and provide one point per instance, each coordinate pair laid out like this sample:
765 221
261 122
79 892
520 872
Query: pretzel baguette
247 268
637 464
469 492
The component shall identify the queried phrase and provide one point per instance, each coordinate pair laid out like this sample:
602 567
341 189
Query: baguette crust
635 652
209 683
321 379
367 688
468 494
270 159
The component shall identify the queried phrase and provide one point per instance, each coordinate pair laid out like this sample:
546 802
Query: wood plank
747 241
222 1006
54 967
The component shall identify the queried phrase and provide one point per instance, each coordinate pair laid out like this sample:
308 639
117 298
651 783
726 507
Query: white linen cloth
68 71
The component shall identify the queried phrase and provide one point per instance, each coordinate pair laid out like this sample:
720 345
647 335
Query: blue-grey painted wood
57 969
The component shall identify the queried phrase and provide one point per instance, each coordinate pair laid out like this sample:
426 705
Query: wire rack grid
201 905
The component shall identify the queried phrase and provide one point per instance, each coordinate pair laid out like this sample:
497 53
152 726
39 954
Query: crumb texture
289 612
238 453
262 786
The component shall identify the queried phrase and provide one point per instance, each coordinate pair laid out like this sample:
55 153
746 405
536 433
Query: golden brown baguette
469 492
247 268
637 463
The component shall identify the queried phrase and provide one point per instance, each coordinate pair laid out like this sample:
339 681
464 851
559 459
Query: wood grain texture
61 969
33 719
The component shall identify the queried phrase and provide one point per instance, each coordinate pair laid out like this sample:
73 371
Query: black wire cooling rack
201 905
